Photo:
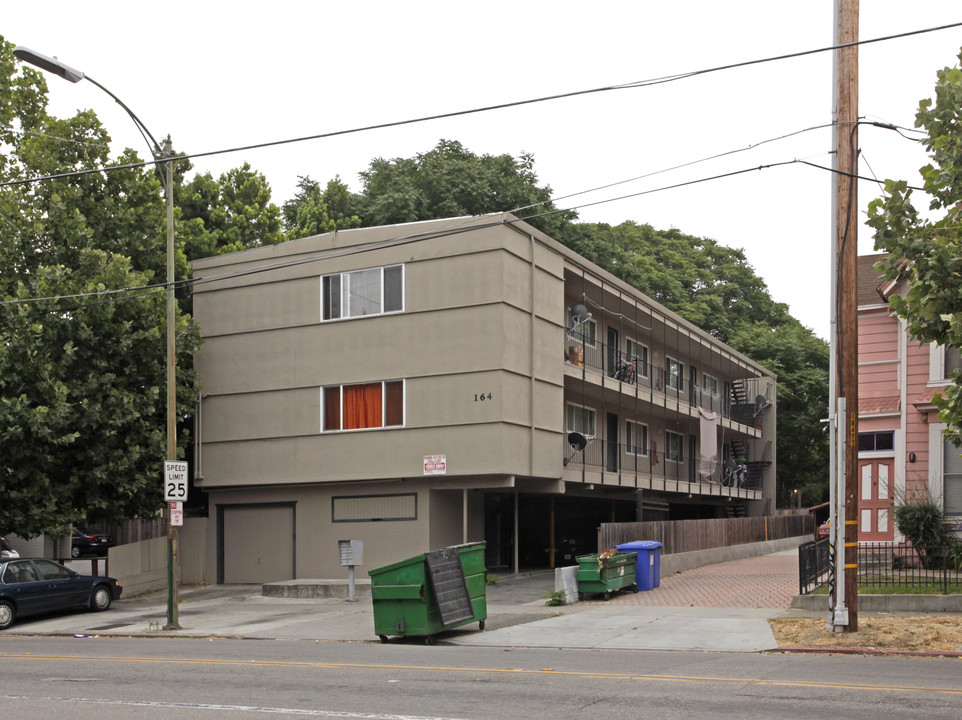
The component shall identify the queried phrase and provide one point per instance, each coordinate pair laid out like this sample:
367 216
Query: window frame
342 301
955 478
631 446
669 455
586 412
641 360
680 376
388 390
875 435
712 392
580 335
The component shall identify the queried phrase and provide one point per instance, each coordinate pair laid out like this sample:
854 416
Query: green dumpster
434 591
606 572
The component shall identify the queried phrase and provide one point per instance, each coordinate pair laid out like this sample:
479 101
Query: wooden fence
678 536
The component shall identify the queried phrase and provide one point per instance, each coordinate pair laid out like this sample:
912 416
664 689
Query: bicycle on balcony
626 370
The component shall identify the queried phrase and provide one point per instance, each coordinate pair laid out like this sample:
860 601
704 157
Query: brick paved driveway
769 581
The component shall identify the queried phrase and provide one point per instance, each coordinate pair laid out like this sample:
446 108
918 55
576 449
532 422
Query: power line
488 108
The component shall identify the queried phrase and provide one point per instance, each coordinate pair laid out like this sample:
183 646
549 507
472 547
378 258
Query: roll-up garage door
258 543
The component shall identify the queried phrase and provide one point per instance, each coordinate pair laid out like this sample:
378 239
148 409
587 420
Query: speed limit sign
175 481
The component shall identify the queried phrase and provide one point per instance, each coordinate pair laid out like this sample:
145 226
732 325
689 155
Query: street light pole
73 75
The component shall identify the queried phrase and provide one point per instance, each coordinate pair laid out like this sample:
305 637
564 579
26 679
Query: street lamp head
48 63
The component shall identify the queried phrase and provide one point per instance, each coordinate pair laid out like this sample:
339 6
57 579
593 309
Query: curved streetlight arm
73 75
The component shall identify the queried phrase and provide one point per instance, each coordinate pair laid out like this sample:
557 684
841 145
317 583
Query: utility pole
845 330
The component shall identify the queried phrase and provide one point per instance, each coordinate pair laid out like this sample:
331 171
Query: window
363 292
374 508
636 438
674 374
876 441
356 407
638 353
674 446
953 361
581 420
585 333
951 478
710 385
52 571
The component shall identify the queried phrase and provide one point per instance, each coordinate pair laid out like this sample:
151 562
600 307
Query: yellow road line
507 671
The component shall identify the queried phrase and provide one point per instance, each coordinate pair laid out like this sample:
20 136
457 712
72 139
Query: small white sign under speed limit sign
175 481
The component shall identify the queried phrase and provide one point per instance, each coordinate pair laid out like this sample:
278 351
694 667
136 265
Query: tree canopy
82 346
925 254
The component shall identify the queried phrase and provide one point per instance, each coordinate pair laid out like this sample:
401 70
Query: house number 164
481 397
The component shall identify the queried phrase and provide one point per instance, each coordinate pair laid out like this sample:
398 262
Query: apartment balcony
608 369
608 463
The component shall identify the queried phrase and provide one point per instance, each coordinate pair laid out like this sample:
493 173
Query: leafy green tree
312 212
231 213
926 254
451 181
800 360
710 285
82 376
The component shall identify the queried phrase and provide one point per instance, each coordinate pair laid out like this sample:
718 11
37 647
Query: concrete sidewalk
722 607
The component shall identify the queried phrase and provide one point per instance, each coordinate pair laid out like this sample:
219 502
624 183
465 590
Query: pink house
902 452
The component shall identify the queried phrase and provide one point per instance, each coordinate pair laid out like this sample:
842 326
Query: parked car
84 544
32 587
6 550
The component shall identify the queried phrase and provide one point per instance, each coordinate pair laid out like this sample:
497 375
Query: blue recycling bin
648 565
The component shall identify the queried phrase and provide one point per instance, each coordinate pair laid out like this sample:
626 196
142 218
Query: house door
612 443
875 521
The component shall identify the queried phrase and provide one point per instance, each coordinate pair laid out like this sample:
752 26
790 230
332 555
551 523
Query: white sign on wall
435 464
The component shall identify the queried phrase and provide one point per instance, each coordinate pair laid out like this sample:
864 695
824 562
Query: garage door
258 543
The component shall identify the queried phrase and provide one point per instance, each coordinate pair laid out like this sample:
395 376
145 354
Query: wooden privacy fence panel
678 536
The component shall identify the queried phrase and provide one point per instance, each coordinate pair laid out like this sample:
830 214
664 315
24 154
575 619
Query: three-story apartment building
423 385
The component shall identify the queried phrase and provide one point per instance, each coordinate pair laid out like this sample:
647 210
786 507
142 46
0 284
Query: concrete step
316 589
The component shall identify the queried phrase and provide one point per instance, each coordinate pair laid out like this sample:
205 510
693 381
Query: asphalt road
147 678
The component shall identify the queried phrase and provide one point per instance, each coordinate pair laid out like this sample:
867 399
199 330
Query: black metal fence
813 565
886 566
932 568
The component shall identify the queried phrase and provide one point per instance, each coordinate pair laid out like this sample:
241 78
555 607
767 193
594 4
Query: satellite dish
579 316
761 402
578 442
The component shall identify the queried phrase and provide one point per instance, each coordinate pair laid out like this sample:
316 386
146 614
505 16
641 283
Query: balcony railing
605 456
635 371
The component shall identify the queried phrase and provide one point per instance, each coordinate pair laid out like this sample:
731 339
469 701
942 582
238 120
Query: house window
638 353
581 420
636 438
674 374
674 446
876 441
358 407
363 292
951 478
953 361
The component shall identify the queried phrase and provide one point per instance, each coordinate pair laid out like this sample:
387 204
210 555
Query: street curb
955 655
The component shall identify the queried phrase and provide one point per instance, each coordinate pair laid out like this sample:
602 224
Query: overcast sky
220 75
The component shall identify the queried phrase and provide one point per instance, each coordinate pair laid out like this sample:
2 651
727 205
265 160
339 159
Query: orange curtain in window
362 406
